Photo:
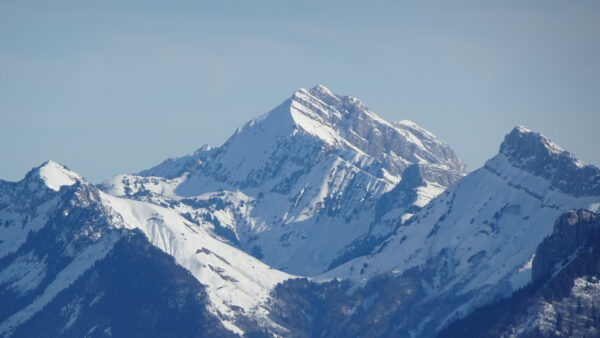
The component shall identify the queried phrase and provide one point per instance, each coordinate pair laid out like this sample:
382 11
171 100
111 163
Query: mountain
296 186
69 253
300 186
470 246
563 298
383 229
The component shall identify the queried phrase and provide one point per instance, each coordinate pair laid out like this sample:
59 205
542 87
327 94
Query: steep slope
53 231
471 245
564 296
298 186
136 290
59 230
509 200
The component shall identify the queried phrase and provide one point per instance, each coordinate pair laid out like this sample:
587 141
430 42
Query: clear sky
110 87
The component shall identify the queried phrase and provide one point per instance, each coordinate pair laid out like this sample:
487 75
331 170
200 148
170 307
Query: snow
72 310
322 89
528 265
522 129
490 221
300 183
175 167
118 185
310 169
313 127
416 129
427 193
232 277
56 175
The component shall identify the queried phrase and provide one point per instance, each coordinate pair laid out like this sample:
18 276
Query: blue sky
112 87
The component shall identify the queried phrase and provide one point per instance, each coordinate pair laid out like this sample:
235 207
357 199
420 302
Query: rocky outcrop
403 195
535 153
573 233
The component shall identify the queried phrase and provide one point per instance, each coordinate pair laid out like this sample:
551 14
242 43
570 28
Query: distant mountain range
318 218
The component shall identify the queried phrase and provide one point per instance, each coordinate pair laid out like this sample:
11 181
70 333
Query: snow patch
528 265
56 175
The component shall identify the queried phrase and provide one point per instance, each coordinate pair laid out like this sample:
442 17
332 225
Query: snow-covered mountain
475 242
57 229
300 186
397 241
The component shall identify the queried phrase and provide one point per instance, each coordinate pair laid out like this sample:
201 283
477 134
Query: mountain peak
524 143
321 89
317 90
317 118
536 154
522 129
54 175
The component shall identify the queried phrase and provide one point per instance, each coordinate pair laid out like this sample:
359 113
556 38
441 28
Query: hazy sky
111 87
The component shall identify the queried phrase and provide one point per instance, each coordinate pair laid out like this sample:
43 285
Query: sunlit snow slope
300 186
475 242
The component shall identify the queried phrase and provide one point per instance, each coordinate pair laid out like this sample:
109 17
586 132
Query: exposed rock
573 231
535 153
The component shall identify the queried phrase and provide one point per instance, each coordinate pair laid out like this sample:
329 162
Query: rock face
573 232
535 153
299 186
403 195
564 296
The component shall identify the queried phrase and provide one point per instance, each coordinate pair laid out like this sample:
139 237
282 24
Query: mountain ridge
391 234
535 153
56 229
330 110
471 244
